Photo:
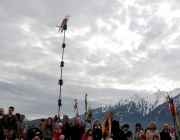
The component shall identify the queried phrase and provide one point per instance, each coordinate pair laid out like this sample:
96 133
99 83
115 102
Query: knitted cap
143 136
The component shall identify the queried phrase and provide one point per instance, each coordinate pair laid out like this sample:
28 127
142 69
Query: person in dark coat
66 127
165 133
1 115
115 127
97 131
126 134
77 130
9 122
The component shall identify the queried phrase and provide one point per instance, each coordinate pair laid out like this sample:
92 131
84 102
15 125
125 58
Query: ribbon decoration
173 110
76 108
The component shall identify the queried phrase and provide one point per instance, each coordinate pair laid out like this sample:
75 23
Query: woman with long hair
48 129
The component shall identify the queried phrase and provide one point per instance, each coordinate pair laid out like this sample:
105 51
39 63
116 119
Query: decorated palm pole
173 110
88 115
62 28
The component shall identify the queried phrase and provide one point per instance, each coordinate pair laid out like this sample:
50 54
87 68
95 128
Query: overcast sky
114 49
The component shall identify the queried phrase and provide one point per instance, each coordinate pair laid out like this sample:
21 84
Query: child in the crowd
143 137
34 135
126 134
155 137
10 135
88 135
61 137
106 136
58 131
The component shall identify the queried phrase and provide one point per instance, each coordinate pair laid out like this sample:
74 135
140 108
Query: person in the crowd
120 130
152 131
1 116
155 137
18 115
88 135
66 127
9 122
165 133
34 135
121 127
126 134
10 135
22 126
58 131
172 133
56 121
48 129
81 122
97 131
62 137
143 137
77 130
115 127
138 131
42 124
71 125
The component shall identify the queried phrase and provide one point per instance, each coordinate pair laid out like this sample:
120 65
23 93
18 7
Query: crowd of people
13 127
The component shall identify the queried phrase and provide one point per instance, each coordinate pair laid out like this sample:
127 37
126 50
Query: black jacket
8 123
115 129
126 136
77 132
165 136
97 133
66 130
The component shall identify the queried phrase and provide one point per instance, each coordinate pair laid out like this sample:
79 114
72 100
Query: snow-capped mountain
140 109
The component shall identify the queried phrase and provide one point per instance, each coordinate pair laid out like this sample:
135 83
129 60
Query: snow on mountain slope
141 104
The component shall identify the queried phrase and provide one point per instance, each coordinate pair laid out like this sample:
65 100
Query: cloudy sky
114 49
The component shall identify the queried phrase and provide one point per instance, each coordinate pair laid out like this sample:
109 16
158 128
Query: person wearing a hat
143 137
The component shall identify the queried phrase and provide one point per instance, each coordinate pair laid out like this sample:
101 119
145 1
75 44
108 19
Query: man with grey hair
1 115
165 133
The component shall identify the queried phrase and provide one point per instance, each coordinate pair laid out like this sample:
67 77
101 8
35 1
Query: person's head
171 129
11 110
65 118
60 125
76 121
57 120
22 117
166 127
19 136
33 132
126 127
42 121
96 123
17 116
1 111
143 137
11 132
89 132
111 115
71 125
81 122
122 126
152 125
61 137
138 126
49 123
155 137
